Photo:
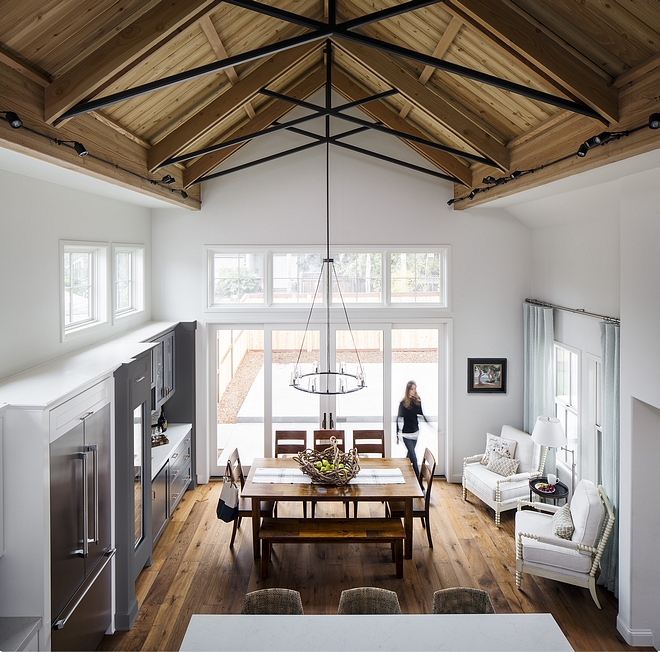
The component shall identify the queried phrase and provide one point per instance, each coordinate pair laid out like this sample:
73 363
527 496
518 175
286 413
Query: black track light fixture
12 118
184 194
489 181
168 179
81 150
515 174
654 121
582 150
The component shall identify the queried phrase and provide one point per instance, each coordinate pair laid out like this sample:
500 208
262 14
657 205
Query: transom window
367 276
84 277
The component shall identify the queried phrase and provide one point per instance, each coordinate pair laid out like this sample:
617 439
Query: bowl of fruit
329 466
545 488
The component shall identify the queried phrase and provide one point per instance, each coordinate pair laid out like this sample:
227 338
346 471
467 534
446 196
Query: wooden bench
332 530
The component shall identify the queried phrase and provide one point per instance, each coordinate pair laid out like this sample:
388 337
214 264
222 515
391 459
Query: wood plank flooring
195 571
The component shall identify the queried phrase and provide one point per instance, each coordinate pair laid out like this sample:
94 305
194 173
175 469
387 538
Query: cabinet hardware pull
186 457
175 473
175 455
175 496
94 449
87 414
85 537
153 495
140 379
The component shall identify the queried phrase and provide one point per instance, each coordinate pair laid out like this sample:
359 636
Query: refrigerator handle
95 450
59 624
85 538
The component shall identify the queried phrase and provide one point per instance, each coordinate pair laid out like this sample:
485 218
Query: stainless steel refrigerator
81 530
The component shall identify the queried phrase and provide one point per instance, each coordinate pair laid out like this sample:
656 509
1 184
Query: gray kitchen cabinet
159 502
164 370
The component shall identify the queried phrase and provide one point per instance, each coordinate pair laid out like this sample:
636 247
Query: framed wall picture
486 375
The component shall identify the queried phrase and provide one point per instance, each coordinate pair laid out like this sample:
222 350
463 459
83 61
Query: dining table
379 480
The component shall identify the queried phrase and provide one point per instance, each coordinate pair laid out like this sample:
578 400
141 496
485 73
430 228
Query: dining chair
462 600
368 600
321 442
235 472
272 601
289 443
421 506
369 443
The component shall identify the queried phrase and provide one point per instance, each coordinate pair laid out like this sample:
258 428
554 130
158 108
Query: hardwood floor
195 571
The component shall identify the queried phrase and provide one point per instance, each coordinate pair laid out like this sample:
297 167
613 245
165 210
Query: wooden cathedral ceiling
588 66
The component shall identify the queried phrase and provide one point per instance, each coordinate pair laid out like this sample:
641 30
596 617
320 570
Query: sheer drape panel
538 358
610 401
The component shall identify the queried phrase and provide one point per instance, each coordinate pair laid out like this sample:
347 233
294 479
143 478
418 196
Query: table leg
408 527
256 523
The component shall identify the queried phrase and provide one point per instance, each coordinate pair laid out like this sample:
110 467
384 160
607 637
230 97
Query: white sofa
499 492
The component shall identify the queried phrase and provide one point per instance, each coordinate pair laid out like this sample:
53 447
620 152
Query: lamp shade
548 432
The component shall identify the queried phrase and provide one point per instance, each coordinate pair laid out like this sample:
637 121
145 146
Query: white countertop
16 631
176 433
419 632
55 380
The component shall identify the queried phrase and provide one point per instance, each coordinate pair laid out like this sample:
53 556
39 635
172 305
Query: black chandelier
328 381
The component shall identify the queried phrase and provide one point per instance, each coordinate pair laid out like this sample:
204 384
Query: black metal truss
319 31
326 139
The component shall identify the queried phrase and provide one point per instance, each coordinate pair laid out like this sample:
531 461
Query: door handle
94 449
87 414
84 552
139 380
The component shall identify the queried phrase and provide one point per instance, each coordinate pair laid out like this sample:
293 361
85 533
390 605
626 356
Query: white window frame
444 304
137 279
98 289
573 409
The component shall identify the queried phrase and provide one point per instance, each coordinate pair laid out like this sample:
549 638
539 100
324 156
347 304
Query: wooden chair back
290 442
322 439
235 470
426 471
369 443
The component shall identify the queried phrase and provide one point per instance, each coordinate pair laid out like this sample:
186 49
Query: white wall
372 203
639 600
34 216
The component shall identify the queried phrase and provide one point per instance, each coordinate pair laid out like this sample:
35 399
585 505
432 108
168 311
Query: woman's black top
409 416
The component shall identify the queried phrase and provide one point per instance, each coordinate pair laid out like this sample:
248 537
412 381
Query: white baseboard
635 637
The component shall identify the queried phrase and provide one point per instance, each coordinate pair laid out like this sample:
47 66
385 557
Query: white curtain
539 397
610 399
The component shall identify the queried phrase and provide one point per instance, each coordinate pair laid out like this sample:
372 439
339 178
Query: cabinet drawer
178 485
181 455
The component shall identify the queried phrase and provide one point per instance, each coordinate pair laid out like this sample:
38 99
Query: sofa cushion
502 465
587 512
544 554
526 450
483 482
506 447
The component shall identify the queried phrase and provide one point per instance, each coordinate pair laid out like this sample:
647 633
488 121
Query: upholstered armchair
565 543
482 474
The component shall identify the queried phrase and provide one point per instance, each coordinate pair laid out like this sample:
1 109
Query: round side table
560 492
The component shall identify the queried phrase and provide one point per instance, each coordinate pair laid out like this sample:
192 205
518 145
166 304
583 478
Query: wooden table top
303 492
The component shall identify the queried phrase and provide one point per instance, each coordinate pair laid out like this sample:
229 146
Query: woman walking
410 409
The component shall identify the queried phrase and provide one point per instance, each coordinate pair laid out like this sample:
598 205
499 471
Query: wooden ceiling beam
264 118
112 157
380 112
218 48
451 116
202 122
114 58
495 18
638 101
25 69
441 48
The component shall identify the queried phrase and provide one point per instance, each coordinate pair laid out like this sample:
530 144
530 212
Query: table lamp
548 433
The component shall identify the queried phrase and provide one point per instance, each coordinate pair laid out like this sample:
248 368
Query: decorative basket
339 470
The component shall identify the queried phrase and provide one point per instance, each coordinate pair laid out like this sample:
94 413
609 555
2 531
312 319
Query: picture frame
486 375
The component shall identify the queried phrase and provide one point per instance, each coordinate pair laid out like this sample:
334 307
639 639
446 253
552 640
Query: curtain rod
579 311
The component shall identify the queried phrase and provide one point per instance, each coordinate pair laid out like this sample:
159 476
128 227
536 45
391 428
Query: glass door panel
362 410
415 357
291 408
240 394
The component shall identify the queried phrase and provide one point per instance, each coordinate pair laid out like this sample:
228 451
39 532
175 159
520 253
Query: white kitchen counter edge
176 433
